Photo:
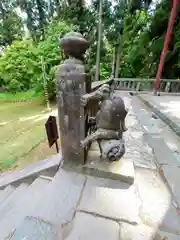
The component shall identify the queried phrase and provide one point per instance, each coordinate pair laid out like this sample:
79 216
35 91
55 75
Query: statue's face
106 94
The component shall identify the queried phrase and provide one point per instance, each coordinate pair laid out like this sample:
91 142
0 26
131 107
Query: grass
29 95
23 136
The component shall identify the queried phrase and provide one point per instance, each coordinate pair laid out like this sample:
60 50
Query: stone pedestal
71 85
122 170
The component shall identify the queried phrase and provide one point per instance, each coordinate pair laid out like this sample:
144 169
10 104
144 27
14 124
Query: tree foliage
132 40
11 27
20 66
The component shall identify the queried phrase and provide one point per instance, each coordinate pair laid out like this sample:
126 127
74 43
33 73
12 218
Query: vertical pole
99 42
45 83
57 147
113 62
165 48
118 58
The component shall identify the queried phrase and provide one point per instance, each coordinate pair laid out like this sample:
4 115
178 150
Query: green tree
38 13
49 50
11 27
19 67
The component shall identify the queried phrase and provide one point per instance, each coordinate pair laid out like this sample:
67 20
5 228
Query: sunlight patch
4 123
23 119
45 116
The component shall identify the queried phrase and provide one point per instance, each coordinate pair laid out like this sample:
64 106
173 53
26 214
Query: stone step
12 199
35 229
111 199
48 167
87 227
57 206
13 218
5 193
163 153
122 170
60 198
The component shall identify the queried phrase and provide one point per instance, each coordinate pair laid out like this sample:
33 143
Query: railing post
166 42
71 85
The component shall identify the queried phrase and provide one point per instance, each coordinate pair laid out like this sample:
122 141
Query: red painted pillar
166 42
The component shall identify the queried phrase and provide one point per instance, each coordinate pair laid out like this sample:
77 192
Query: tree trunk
42 18
113 62
97 74
2 11
118 59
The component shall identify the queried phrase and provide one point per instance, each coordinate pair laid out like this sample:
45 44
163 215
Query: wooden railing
141 84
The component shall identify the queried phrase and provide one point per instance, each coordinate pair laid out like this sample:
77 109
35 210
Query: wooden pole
118 58
57 147
99 43
45 83
166 43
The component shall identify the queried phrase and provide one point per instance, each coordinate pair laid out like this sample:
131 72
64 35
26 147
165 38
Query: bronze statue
110 123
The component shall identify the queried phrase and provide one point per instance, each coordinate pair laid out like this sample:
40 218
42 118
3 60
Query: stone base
119 170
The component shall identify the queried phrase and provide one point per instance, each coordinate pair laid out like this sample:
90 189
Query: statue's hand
84 100
82 144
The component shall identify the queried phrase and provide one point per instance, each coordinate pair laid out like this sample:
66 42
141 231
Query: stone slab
166 108
6 192
12 199
87 227
162 152
120 170
172 176
136 232
144 232
35 229
144 117
26 204
157 209
156 124
33 170
59 201
95 146
166 236
111 199
136 148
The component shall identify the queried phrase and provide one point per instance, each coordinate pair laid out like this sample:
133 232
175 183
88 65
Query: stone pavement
111 209
166 108
89 207
168 105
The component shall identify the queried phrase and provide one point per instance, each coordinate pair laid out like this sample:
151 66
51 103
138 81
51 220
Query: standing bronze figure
110 123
